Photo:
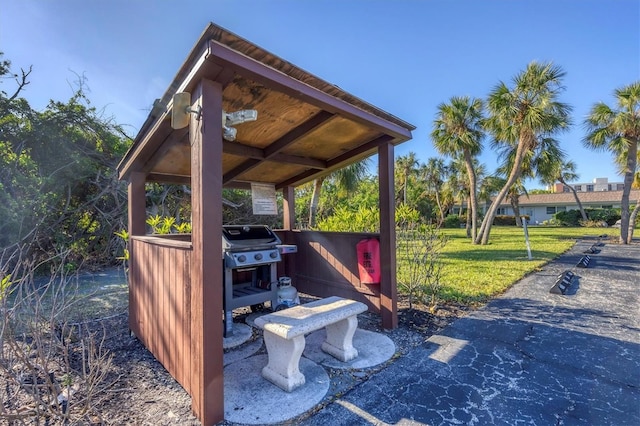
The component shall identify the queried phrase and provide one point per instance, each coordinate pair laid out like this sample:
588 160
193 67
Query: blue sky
404 56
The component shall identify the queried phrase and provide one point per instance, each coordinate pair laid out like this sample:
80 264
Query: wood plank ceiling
305 128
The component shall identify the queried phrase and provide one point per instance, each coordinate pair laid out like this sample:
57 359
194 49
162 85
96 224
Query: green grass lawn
475 273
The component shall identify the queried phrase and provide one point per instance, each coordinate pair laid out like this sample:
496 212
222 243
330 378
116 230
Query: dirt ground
139 391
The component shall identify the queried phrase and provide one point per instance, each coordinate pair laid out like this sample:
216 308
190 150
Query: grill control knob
258 256
242 258
273 254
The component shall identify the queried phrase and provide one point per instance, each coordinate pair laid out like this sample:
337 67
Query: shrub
52 371
346 220
452 221
507 220
568 218
611 216
594 224
419 248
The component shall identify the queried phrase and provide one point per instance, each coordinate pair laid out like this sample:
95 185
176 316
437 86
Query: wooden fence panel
326 264
159 302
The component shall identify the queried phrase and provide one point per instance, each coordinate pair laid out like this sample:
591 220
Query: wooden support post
289 224
289 207
205 135
137 203
137 221
388 290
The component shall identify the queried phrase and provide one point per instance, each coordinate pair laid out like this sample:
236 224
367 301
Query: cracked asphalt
527 357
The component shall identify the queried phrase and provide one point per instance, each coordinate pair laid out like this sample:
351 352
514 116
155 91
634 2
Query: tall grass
475 273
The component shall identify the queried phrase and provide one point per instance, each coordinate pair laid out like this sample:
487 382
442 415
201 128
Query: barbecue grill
250 257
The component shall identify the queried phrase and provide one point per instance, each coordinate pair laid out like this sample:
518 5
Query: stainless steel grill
250 256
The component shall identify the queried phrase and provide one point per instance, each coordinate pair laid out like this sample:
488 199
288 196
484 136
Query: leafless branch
22 81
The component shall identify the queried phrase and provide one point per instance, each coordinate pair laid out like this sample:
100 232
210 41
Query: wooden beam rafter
336 162
274 149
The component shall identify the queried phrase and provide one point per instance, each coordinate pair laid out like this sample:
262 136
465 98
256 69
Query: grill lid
248 237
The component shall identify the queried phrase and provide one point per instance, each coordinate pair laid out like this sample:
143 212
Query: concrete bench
284 333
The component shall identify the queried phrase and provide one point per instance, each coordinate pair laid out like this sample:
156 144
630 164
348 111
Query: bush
53 371
611 216
452 221
507 220
419 247
594 224
568 218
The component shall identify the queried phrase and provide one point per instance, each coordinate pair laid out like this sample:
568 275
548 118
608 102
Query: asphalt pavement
528 357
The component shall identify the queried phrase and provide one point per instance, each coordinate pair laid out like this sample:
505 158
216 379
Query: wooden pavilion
306 128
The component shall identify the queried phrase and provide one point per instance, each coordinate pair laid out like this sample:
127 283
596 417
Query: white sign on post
263 198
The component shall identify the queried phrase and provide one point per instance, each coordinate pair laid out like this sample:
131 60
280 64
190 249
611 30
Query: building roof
560 198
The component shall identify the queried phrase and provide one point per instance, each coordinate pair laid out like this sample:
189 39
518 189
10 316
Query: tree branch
22 81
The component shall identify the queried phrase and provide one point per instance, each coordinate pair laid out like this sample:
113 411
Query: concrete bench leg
284 358
339 343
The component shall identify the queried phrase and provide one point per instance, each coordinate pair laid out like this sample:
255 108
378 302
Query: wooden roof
306 127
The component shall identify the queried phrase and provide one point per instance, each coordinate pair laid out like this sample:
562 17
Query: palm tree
636 209
516 190
406 165
618 131
523 117
481 172
564 172
457 131
433 173
346 179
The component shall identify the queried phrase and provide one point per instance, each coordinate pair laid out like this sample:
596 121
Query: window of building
502 211
589 188
578 187
565 189
556 209
620 186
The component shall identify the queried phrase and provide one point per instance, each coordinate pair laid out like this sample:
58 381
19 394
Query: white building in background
598 184
600 194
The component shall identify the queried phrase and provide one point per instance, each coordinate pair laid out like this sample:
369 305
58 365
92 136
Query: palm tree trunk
440 209
513 200
404 190
632 220
468 161
315 199
485 228
629 173
469 219
575 195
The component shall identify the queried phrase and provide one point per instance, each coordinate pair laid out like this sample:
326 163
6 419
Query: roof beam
235 148
336 162
274 149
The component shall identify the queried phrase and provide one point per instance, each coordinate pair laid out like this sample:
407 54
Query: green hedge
574 218
452 221
507 220
568 218
611 216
